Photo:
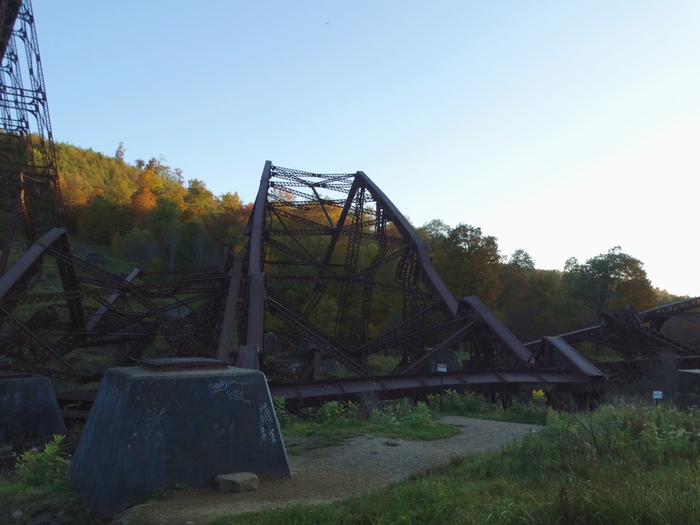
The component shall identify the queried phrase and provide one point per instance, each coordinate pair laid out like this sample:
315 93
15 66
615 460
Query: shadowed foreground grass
336 422
622 464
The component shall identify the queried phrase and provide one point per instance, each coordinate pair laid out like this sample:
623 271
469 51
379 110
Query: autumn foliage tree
145 210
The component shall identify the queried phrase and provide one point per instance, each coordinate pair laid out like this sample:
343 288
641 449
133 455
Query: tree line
148 212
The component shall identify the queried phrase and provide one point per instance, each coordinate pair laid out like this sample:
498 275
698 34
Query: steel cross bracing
183 312
332 260
126 316
635 336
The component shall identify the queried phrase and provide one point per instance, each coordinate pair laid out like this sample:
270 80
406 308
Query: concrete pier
28 407
151 429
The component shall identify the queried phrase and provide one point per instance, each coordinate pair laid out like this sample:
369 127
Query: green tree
194 247
465 258
433 232
199 201
522 259
119 154
610 280
162 217
103 218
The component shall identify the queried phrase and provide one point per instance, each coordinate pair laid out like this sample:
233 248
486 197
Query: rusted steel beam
594 333
187 341
430 277
670 309
14 217
412 335
17 272
257 222
102 310
559 352
499 330
69 280
393 335
415 365
341 222
325 342
229 320
255 276
395 386
37 343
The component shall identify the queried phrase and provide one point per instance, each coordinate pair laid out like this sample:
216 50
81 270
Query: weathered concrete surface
28 406
151 429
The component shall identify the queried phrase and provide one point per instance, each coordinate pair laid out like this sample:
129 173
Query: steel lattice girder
284 247
123 313
287 228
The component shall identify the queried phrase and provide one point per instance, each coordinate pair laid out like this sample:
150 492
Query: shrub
43 468
337 410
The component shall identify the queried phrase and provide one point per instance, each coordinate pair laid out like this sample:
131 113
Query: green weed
46 467
336 421
471 404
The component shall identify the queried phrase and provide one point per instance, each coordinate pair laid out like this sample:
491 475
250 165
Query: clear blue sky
563 128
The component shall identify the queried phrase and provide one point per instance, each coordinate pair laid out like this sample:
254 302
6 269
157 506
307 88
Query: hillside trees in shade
534 303
465 258
522 259
610 280
150 213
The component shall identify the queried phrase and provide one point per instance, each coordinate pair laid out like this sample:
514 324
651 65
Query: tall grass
623 464
336 421
472 404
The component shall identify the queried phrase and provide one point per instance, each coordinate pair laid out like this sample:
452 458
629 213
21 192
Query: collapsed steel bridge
330 259
52 331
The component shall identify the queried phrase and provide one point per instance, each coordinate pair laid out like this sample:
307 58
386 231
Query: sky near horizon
562 128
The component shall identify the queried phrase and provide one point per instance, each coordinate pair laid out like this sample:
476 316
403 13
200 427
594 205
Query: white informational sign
442 367
658 394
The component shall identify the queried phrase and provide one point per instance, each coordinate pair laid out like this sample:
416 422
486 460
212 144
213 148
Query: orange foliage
142 203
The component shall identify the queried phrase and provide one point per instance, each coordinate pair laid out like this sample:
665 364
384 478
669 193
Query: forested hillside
146 211
149 213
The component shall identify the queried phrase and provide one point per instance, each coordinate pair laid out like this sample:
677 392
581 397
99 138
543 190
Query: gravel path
327 474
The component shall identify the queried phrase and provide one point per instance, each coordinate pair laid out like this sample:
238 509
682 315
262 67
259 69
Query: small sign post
658 395
441 367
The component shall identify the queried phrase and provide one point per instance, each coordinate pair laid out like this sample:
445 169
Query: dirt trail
332 473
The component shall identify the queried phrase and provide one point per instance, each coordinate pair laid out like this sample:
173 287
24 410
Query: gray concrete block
28 406
237 482
151 429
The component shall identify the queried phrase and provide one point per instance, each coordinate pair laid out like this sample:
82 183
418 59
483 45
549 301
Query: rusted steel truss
334 261
633 335
126 316
30 194
178 313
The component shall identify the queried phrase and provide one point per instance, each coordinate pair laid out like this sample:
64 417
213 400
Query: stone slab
237 482
28 406
151 429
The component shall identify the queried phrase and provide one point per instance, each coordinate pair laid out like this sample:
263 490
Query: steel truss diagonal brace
31 339
322 340
415 365
153 309
14 275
